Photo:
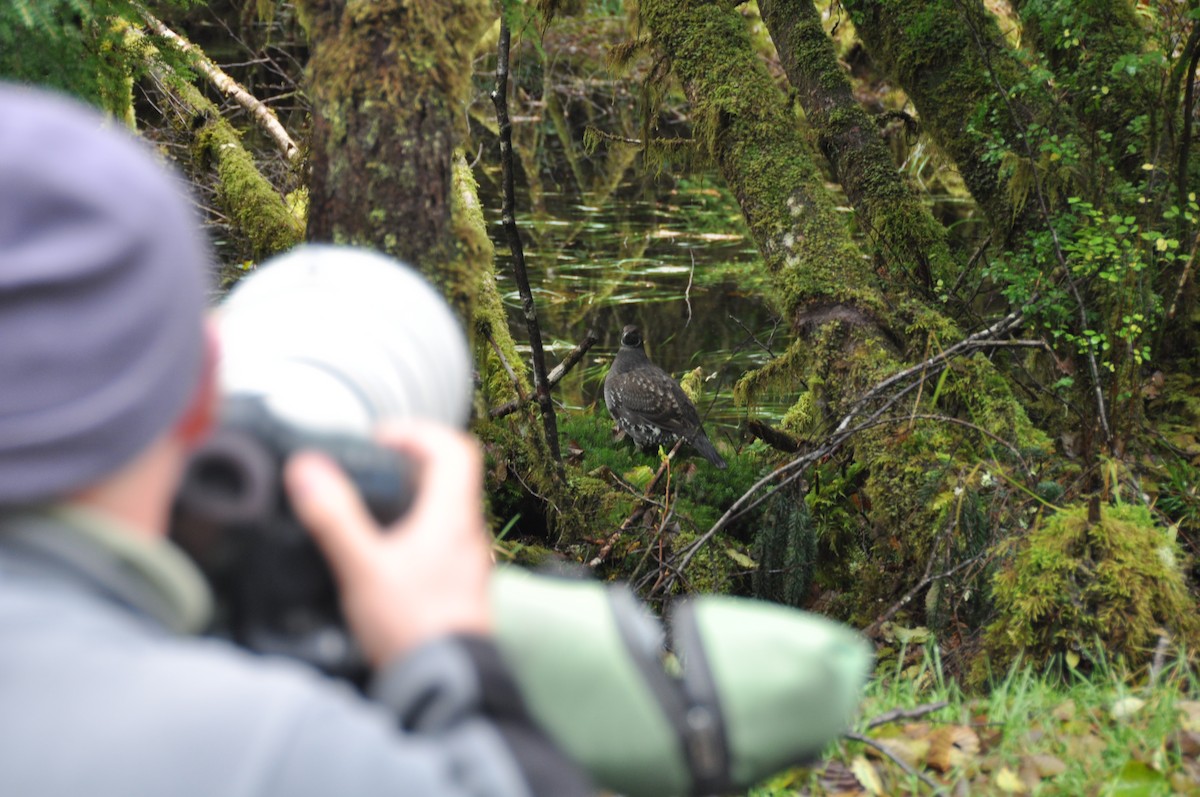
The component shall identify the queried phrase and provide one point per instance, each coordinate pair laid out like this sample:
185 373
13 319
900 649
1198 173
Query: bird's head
631 337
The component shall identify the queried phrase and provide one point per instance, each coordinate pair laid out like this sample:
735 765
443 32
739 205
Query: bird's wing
653 396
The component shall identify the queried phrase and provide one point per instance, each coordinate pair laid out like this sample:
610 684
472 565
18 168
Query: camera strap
689 703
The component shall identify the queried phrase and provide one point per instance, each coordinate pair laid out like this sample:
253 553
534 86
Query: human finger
449 463
327 504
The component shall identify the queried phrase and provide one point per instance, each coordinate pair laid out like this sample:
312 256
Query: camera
318 346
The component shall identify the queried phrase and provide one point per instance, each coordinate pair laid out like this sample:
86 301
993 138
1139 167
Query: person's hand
424 577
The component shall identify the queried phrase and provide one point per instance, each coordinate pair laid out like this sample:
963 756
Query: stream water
670 255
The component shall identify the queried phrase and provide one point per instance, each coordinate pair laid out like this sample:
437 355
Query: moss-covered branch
888 207
1083 40
744 121
951 59
253 205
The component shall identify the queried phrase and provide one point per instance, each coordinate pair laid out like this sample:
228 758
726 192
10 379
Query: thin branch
687 292
553 378
764 346
508 216
908 768
512 375
969 343
259 111
573 357
1183 277
916 712
637 513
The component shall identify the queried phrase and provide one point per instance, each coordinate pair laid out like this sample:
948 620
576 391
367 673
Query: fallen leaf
911 751
741 558
864 771
952 746
1137 779
1029 775
836 778
1047 766
1187 741
1065 711
1008 782
1126 707
1189 714
1087 746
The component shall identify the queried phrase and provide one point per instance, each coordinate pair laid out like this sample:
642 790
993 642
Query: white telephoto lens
337 339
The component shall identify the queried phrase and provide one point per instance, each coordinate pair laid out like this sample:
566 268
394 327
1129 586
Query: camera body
232 514
318 347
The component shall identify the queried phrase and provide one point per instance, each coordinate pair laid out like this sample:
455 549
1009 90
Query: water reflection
673 257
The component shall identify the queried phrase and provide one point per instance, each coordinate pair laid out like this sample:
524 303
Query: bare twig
508 216
512 375
913 713
259 111
687 292
553 378
908 768
1183 277
764 346
637 513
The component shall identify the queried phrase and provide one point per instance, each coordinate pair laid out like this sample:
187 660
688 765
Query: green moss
1104 591
990 404
931 50
742 119
256 209
890 211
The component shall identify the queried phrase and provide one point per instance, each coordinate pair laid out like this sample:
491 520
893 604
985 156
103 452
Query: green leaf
1138 779
741 558
639 477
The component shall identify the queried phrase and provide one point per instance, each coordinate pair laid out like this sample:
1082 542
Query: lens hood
737 690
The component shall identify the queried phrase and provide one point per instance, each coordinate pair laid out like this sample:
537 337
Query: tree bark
387 81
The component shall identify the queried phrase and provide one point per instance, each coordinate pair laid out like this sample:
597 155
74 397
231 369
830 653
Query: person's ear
200 416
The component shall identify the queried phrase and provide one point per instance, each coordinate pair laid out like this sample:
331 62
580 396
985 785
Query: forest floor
1047 734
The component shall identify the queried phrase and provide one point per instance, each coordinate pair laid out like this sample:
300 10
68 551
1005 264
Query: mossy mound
1104 592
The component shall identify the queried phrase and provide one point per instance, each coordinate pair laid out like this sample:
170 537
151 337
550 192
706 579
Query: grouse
648 404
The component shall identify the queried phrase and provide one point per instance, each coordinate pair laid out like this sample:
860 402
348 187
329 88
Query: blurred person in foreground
107 380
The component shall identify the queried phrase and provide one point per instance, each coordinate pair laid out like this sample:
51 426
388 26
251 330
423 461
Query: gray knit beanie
103 275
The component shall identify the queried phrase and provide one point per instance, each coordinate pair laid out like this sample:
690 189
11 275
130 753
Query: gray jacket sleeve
445 721
459 691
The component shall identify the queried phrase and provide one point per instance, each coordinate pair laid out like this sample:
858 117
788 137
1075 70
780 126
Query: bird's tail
702 444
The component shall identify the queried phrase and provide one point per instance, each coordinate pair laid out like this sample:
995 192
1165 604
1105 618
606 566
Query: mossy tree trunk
951 59
388 81
888 208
